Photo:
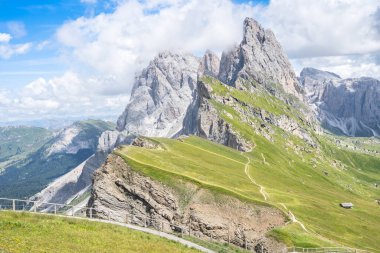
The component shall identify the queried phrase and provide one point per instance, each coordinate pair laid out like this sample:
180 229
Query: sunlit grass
23 232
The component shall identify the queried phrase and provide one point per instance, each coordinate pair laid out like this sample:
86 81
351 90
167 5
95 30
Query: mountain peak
210 64
259 58
317 74
252 29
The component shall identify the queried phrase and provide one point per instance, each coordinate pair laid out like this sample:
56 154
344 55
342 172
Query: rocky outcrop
345 106
211 126
259 58
76 181
161 96
209 65
120 193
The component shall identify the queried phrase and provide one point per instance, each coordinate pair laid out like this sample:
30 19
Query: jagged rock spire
210 64
260 58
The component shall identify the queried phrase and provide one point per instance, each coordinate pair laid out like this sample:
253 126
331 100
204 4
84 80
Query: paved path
142 229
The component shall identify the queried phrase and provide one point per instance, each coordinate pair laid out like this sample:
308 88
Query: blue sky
36 22
79 57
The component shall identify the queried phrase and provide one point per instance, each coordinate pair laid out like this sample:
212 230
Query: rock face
77 181
260 58
210 64
161 96
345 106
208 124
121 194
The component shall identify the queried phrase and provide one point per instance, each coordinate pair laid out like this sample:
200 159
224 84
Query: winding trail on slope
262 189
266 195
293 218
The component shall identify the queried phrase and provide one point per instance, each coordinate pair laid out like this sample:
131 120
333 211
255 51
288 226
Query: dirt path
293 218
264 160
262 189
266 196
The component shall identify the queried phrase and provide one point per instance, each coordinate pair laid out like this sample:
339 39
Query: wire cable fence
219 240
325 250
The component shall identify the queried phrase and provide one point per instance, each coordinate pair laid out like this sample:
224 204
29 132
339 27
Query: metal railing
325 250
221 239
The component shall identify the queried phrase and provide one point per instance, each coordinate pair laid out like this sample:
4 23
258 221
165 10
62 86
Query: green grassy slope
22 232
18 142
295 177
312 182
311 196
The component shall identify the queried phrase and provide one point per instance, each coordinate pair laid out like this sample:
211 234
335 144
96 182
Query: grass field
22 232
313 197
308 182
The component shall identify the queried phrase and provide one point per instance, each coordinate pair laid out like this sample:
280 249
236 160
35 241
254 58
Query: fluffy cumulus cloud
123 42
7 49
324 27
109 48
335 35
69 94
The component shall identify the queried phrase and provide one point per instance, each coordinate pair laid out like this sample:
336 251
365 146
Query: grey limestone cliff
123 194
345 106
161 96
259 58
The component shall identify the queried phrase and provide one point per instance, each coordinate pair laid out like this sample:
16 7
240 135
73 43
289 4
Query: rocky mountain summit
165 97
345 106
260 58
160 96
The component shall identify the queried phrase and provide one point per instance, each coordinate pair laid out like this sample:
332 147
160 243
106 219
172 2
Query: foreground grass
23 232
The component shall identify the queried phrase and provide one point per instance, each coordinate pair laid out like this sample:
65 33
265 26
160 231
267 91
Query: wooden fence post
14 205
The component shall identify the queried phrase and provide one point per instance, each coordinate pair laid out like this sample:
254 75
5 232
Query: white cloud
8 50
88 1
69 94
324 27
335 35
42 45
4 98
123 42
17 29
345 66
5 37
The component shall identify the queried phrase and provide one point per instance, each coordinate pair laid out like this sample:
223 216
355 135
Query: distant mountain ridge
50 157
344 106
